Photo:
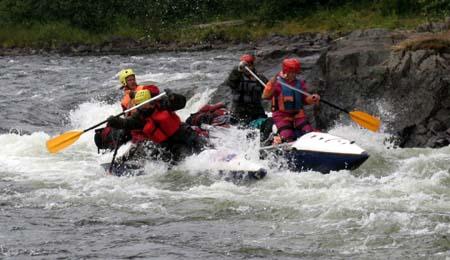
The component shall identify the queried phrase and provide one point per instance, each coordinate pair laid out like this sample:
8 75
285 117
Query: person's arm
262 78
173 102
270 89
134 122
313 99
234 78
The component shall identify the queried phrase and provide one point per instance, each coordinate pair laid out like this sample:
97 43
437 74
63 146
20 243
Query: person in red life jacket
158 122
246 91
287 104
127 79
107 138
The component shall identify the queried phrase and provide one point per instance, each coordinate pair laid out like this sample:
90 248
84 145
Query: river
395 206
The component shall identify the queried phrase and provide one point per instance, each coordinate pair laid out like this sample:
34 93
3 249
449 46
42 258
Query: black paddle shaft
334 106
115 153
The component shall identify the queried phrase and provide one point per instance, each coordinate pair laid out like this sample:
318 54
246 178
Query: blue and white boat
320 152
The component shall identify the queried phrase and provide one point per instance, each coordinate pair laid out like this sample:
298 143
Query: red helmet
250 59
291 65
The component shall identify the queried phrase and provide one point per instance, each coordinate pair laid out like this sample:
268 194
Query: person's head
249 59
142 96
290 68
127 79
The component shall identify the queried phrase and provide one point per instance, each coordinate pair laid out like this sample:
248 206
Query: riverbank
63 39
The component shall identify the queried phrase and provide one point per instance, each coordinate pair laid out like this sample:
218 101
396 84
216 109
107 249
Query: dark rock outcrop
408 89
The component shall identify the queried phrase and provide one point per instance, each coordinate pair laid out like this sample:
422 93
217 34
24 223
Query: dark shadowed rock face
407 89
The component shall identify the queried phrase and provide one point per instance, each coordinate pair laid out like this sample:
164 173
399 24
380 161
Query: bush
436 7
152 16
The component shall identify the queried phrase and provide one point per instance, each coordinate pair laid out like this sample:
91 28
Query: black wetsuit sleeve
134 122
234 79
173 102
262 78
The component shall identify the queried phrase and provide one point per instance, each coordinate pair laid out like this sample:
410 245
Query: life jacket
248 93
289 100
138 136
127 101
161 125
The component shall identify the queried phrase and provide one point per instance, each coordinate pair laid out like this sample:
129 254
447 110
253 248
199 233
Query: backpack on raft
215 115
109 138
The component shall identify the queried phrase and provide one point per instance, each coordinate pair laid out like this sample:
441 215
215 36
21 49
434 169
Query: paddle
62 141
116 148
361 118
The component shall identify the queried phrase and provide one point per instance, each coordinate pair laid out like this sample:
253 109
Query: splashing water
396 205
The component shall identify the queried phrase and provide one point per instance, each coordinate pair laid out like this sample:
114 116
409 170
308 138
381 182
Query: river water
395 206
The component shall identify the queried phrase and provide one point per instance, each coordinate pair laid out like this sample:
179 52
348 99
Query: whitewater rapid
396 205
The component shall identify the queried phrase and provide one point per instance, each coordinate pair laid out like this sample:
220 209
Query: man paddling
157 122
287 104
246 91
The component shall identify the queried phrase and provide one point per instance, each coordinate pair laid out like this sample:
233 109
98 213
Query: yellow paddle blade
60 142
365 120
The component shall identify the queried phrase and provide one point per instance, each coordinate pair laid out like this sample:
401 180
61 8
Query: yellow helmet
123 76
141 96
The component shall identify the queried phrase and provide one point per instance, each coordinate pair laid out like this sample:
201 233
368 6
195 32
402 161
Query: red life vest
161 125
138 136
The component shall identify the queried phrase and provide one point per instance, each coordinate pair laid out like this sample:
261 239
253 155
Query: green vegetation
47 23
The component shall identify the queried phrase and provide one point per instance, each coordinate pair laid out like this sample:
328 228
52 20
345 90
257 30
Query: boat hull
235 176
323 162
318 152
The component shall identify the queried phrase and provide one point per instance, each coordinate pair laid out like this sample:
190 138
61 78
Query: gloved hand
315 99
169 94
114 122
165 101
242 66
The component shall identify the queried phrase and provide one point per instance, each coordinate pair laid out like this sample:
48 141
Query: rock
434 26
363 71
437 142
443 116
435 126
421 129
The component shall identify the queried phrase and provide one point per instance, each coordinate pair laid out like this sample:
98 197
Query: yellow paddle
361 118
62 141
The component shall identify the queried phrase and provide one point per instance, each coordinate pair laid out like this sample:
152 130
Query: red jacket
159 127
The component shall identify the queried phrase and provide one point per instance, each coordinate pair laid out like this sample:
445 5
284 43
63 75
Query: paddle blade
60 142
365 120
